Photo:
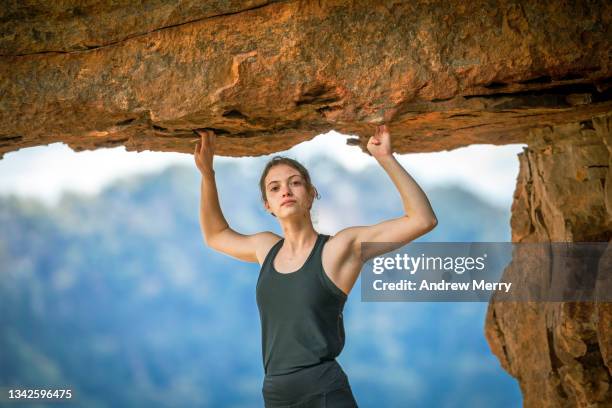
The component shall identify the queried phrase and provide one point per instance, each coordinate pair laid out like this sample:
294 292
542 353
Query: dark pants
324 385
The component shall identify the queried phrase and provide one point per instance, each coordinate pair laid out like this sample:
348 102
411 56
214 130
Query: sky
44 172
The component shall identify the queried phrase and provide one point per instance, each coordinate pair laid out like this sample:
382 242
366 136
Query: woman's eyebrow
277 181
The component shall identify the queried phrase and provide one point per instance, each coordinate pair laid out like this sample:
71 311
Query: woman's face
286 191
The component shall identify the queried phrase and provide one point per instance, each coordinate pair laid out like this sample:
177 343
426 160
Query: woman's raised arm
216 231
419 217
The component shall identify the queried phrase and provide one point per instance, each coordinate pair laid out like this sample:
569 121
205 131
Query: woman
305 276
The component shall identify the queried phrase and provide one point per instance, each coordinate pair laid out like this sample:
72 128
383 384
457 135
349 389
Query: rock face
266 75
560 352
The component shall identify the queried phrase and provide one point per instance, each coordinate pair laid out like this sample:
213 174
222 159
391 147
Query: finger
208 145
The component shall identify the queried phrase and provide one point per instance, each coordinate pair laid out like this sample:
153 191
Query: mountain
117 297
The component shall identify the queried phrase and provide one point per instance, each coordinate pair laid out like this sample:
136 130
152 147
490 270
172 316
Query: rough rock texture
267 75
560 352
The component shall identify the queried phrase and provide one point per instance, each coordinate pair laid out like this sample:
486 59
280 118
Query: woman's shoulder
265 240
342 237
341 244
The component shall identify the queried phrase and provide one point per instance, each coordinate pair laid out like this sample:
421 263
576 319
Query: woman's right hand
205 151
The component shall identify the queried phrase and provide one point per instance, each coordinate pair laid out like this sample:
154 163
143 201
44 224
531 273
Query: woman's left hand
379 145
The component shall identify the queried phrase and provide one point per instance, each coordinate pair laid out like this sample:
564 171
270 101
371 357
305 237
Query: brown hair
275 161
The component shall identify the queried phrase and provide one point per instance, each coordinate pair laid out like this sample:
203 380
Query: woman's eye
274 188
296 182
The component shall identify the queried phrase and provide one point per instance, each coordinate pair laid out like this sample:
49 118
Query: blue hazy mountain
117 297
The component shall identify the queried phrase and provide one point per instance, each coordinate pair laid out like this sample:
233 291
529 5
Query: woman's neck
298 237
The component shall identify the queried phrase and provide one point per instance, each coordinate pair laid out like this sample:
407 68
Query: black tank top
300 312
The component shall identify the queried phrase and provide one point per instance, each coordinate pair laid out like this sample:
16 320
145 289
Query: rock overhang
268 75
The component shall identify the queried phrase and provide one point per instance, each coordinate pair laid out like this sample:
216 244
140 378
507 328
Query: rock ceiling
267 75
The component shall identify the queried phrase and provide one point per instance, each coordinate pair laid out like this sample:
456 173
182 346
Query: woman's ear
268 209
313 195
